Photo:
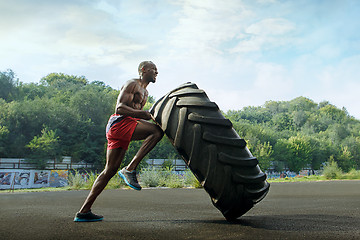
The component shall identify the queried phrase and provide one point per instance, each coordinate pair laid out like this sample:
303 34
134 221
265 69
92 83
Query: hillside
65 115
299 133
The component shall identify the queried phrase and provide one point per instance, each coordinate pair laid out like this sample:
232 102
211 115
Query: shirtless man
127 124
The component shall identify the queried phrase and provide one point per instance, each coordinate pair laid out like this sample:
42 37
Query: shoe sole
126 181
87 220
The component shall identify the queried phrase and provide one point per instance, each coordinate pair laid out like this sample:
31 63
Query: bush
353 174
152 177
166 177
332 171
116 182
89 181
175 181
86 181
149 177
190 180
76 180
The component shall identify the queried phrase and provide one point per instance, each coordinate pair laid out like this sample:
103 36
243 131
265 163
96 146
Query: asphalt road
317 210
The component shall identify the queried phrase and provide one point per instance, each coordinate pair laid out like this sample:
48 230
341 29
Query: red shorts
119 134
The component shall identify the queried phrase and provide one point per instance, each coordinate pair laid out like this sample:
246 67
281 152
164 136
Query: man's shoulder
131 83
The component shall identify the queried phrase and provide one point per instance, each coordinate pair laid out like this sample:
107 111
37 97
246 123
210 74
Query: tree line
299 134
66 115
62 115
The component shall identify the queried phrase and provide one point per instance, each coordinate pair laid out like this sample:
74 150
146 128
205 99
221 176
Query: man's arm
126 105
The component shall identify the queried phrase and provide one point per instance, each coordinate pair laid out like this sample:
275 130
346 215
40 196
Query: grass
351 175
151 177
165 177
78 182
311 178
148 177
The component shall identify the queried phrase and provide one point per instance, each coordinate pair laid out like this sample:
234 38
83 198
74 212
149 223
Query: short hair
143 64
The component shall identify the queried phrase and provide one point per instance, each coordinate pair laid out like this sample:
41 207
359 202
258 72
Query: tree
4 132
345 160
93 102
301 104
44 147
77 111
301 152
281 154
263 152
296 152
353 146
275 107
8 85
282 121
30 91
299 118
61 80
332 113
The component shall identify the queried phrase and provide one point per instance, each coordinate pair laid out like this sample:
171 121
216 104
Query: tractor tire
212 149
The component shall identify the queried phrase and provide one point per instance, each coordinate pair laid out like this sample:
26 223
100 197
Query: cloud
204 25
240 52
340 85
265 34
71 39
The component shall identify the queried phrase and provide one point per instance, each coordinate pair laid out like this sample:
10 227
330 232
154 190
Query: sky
241 52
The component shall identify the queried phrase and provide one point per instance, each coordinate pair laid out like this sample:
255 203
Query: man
127 124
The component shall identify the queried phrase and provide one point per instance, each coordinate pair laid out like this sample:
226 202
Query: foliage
263 152
331 170
75 180
61 80
167 164
43 147
191 180
281 134
165 177
352 174
148 177
8 85
4 132
300 134
78 180
68 105
151 177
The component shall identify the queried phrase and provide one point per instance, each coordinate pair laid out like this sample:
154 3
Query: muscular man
127 124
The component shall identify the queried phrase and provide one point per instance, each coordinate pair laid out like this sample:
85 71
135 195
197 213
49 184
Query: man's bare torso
133 95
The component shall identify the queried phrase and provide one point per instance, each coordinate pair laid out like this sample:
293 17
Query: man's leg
114 158
151 134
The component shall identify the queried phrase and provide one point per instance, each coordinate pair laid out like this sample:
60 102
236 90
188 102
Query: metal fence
20 163
177 164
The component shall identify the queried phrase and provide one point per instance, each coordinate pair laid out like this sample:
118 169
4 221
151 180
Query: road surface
304 210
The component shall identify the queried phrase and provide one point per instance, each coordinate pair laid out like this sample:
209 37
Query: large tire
212 149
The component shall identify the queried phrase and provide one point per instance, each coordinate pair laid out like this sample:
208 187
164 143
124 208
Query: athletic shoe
130 178
87 217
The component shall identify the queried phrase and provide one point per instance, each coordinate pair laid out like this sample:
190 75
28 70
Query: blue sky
242 53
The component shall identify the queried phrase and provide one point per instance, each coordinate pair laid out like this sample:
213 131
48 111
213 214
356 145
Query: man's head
148 70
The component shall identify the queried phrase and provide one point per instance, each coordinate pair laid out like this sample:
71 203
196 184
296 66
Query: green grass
48 189
352 175
77 182
311 178
151 177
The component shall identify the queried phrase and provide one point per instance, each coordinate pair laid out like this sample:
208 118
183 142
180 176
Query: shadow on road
307 222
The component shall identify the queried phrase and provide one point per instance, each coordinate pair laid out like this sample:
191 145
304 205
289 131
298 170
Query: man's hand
135 113
147 115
